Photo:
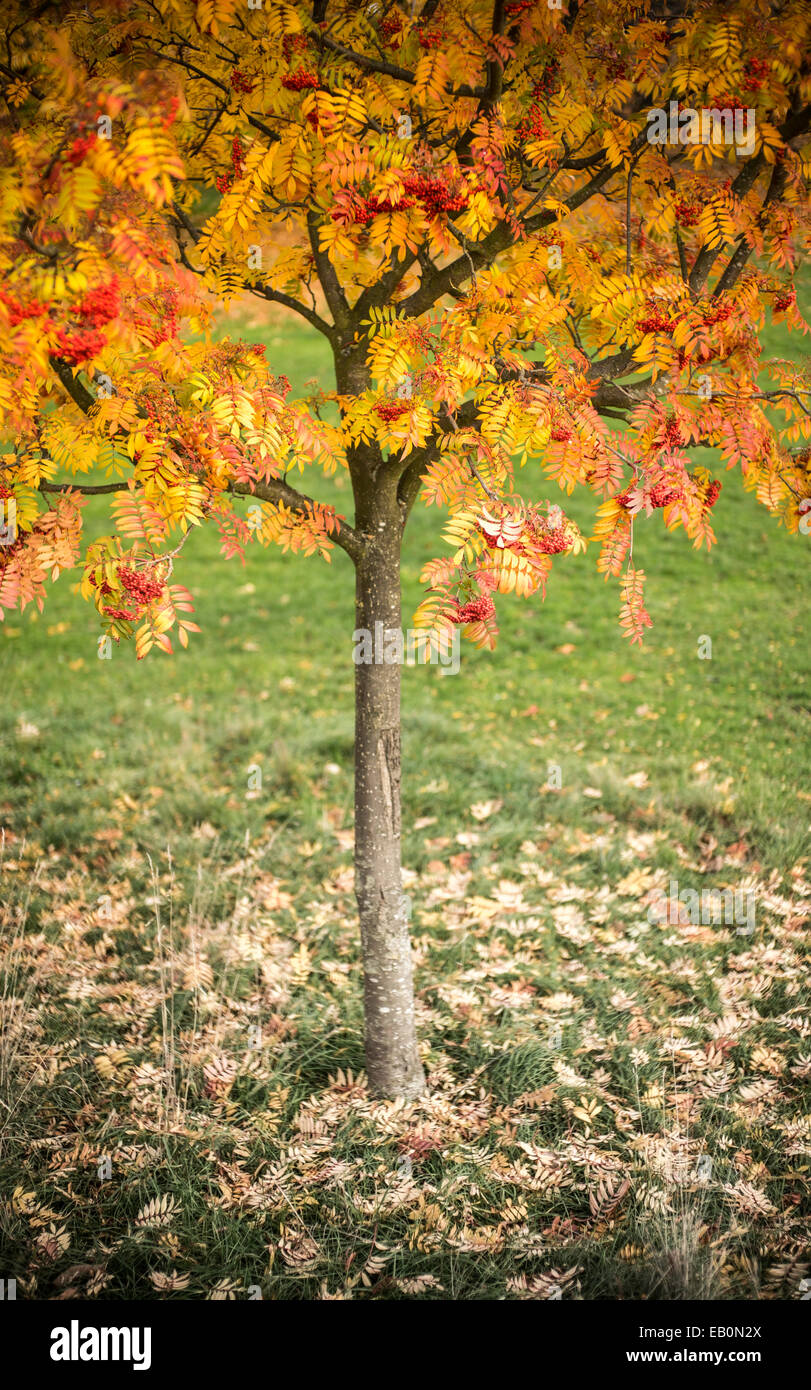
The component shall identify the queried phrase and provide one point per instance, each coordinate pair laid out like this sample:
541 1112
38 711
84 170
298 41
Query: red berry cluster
300 81
552 542
718 314
79 149
517 7
136 583
171 113
241 83
99 305
120 614
532 126
657 321
162 411
548 81
785 299
392 410
105 588
561 434
17 311
430 38
673 435
476 611
713 493
755 72
730 101
141 589
660 495
294 43
432 193
687 214
79 346
616 66
224 181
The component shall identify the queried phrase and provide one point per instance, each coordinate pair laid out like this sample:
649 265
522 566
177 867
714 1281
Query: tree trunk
392 1059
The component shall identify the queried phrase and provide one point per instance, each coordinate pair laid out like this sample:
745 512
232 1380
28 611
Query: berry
661 495
713 492
552 542
79 346
120 614
18 312
392 410
79 148
300 81
673 435
99 305
476 611
687 214
430 191
241 83
657 321
139 587
717 315
755 72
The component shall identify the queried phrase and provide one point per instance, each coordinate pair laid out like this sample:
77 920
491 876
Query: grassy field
615 1106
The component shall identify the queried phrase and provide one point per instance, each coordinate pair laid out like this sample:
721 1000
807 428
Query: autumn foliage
463 199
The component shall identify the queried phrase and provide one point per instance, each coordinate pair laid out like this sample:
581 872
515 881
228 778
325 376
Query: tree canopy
465 200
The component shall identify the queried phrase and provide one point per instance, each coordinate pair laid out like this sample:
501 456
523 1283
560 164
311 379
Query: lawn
615 1105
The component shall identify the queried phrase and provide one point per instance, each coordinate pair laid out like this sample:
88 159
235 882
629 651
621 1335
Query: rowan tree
463 198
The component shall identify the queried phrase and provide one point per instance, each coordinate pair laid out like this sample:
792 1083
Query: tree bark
392 1058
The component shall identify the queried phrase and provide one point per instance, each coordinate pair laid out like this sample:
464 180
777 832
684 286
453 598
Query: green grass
156 911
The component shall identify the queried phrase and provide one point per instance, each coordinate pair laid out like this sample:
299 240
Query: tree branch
277 490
